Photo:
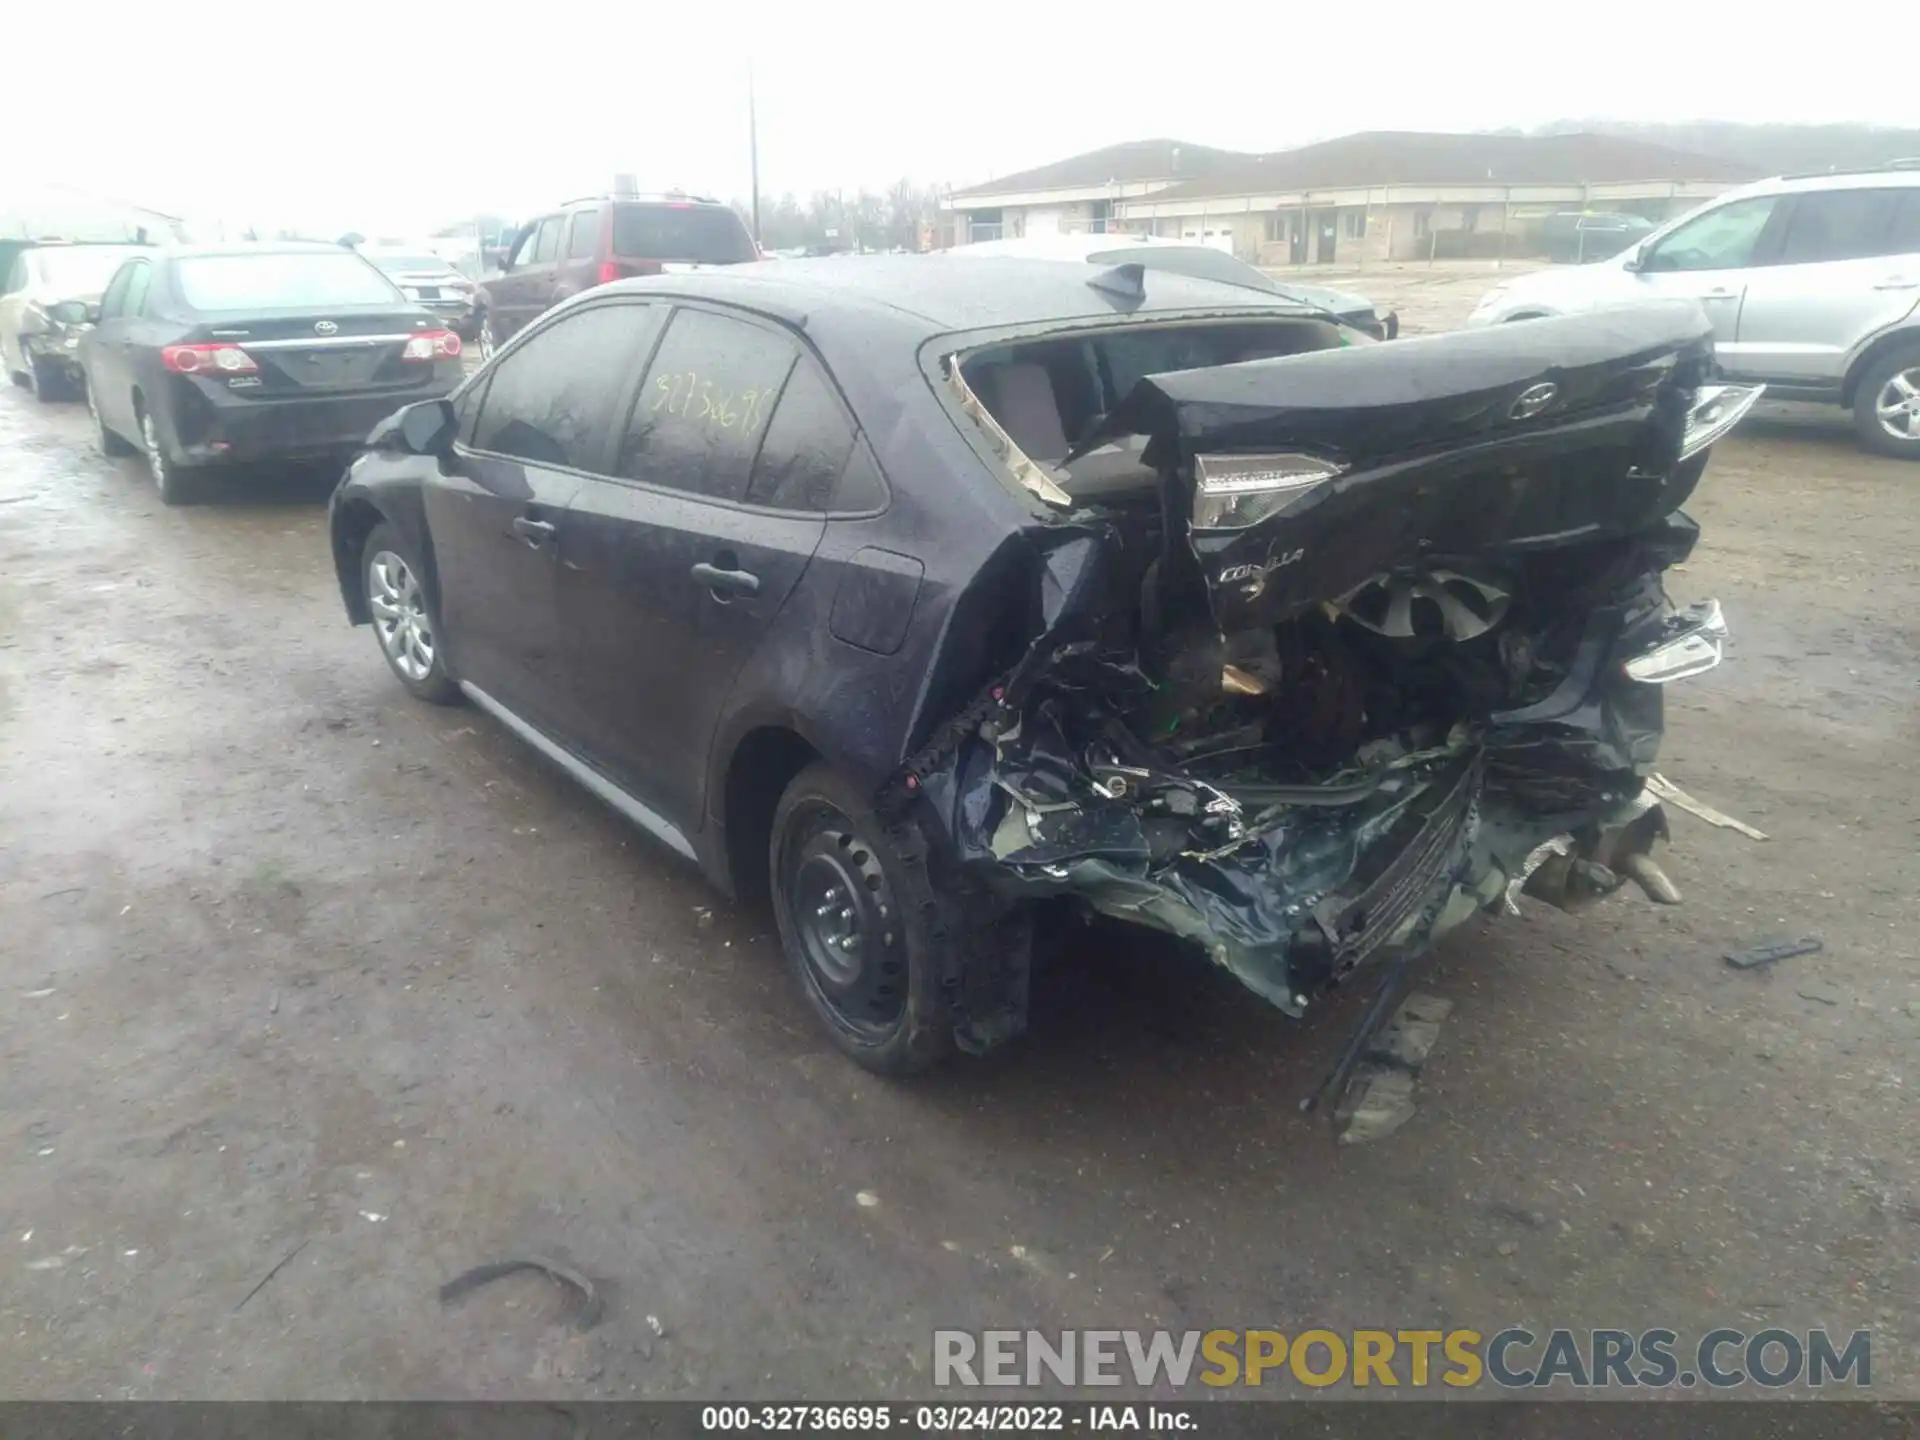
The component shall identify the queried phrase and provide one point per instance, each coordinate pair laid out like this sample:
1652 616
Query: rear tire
876 948
175 482
403 620
1886 404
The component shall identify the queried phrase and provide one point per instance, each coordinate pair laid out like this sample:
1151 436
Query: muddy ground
300 974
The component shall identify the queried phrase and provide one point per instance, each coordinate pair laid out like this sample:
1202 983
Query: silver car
1811 282
431 283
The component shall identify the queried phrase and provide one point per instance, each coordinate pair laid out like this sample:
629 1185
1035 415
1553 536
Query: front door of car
1848 268
109 349
677 568
1710 258
532 427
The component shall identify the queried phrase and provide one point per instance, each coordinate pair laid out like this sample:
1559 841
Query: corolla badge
1533 400
327 327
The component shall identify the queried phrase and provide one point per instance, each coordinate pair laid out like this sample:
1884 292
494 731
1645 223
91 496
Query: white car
45 295
1186 257
1812 284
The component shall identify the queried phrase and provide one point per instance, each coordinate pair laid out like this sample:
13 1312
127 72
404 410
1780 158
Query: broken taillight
432 345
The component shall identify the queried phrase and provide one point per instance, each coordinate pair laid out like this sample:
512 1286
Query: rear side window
553 399
582 231
265 282
708 397
806 446
696 234
1838 225
1904 238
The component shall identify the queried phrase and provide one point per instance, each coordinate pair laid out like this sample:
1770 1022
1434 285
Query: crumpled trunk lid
1378 458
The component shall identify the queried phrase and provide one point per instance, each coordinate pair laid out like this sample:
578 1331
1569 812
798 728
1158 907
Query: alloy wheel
486 338
1897 406
400 616
841 910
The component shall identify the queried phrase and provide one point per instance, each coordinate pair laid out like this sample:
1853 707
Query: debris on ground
1823 992
587 1311
1381 1095
1665 790
1770 951
285 1260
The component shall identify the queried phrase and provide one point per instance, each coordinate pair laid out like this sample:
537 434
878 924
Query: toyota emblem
1533 400
327 327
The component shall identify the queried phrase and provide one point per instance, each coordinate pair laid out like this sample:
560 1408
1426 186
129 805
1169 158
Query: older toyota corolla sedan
909 594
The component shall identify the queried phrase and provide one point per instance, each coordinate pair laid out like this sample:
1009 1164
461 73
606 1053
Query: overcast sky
337 114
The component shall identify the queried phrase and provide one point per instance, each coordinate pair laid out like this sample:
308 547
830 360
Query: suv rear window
261 282
700 234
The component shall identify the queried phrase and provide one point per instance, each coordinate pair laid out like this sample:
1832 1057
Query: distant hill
1773 149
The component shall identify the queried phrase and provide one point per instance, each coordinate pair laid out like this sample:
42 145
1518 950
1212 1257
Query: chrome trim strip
611 793
318 342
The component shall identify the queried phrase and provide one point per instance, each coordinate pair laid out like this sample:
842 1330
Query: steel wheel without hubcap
840 908
400 615
1897 406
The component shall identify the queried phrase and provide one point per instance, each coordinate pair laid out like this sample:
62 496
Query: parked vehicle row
913 595
1812 284
203 357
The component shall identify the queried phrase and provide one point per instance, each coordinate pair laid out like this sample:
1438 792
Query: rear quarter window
805 448
693 234
267 282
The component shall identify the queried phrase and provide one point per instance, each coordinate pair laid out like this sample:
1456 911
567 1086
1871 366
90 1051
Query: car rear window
249 282
700 234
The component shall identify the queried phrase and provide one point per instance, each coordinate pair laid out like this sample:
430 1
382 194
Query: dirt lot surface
315 997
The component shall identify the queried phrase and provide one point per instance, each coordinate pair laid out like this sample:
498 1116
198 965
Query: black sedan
205 357
909 594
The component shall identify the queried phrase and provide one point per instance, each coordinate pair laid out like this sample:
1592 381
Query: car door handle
1722 293
726 582
535 532
1897 282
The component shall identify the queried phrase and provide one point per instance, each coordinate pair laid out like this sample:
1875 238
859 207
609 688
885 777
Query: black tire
837 867
109 443
1880 384
178 484
403 617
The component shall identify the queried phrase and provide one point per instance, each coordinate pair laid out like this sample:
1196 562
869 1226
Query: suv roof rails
1903 162
682 195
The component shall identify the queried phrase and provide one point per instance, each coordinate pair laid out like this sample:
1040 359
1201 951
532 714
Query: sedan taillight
207 360
432 345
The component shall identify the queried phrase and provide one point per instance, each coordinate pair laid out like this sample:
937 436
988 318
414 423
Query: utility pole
753 153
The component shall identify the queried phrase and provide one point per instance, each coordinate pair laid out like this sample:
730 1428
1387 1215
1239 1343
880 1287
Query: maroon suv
602 238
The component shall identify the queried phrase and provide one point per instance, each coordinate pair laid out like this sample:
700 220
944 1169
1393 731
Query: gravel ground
312 989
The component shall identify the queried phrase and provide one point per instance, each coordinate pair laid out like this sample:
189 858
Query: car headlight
1716 410
1693 644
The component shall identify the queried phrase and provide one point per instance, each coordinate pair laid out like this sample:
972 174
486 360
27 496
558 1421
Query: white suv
1811 283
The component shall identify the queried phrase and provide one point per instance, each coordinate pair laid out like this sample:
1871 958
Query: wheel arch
354 519
1907 337
761 766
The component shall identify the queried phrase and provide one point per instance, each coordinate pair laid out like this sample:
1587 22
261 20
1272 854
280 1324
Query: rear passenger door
578 267
677 566
544 416
1848 267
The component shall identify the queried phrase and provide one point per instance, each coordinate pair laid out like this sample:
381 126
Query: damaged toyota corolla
913 595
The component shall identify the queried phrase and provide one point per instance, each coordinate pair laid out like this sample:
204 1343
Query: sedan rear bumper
213 426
